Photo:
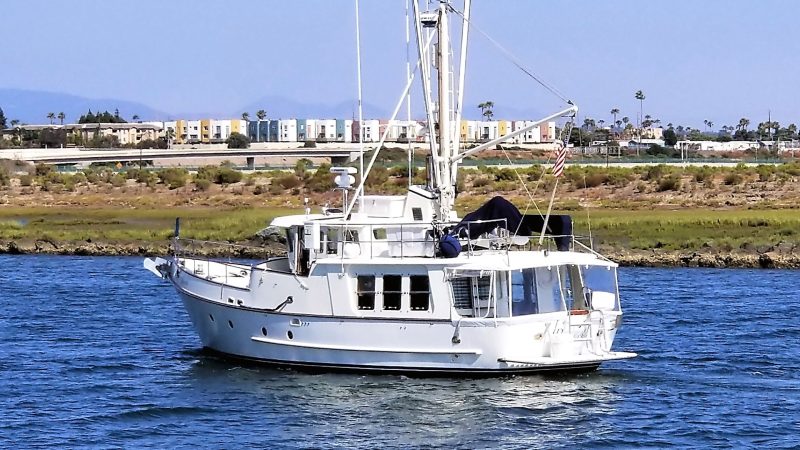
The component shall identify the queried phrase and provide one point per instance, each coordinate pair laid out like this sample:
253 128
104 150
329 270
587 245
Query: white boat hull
332 343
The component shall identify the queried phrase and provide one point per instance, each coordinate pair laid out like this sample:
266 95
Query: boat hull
430 348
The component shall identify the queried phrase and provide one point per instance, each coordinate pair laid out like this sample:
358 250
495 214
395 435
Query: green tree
670 138
51 116
486 109
61 117
238 140
614 113
261 115
2 120
246 116
640 96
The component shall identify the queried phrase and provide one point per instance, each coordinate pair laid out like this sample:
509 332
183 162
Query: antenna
360 110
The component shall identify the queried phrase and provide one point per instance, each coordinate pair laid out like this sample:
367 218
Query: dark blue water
97 352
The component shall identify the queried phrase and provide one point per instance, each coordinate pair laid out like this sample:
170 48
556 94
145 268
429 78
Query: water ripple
95 352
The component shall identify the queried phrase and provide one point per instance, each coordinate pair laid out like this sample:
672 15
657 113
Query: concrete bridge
89 155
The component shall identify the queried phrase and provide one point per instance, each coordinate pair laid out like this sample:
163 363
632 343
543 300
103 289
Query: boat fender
449 246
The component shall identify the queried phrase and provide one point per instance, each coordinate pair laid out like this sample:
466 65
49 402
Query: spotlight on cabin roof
344 176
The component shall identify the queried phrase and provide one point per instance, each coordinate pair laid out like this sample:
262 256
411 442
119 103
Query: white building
326 130
371 131
287 130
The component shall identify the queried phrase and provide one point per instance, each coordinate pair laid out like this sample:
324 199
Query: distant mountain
278 107
32 106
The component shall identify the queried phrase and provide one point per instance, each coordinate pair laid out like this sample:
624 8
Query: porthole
230 324
263 331
290 335
211 316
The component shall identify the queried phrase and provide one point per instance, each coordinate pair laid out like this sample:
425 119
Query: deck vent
417 214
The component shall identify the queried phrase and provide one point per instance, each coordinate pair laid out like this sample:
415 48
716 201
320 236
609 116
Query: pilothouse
400 283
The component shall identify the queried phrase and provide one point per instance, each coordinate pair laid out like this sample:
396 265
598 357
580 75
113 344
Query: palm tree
52 117
486 109
135 117
246 116
169 135
14 123
614 113
61 117
261 115
744 123
640 96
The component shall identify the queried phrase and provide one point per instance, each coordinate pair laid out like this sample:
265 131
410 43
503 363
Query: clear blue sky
695 60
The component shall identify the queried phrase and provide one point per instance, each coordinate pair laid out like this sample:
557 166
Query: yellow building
205 131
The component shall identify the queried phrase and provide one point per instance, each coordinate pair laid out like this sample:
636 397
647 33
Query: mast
446 188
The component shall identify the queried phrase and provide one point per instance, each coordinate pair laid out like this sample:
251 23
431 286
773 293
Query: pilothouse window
420 292
392 292
366 292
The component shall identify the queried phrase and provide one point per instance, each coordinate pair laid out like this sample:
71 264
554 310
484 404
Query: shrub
654 172
91 176
227 175
238 140
480 182
26 180
207 173
594 180
5 177
377 176
321 180
43 169
309 144
202 184
287 181
733 178
78 178
151 143
173 177
505 175
260 189
118 180
670 183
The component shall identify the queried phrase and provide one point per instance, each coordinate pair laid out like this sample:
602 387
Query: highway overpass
90 155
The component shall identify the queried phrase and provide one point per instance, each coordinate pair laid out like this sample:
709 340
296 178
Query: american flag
561 159
561 156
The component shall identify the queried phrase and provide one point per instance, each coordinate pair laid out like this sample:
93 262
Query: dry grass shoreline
656 215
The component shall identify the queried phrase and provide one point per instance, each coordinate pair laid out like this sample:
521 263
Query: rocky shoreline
772 258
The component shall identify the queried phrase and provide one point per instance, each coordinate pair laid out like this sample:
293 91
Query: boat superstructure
400 283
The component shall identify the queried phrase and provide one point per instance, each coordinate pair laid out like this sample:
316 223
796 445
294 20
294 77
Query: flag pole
547 216
558 170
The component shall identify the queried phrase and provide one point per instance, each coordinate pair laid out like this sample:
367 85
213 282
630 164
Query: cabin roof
489 260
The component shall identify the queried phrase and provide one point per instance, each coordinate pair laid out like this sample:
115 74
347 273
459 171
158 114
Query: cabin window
379 233
351 236
366 292
535 291
392 292
601 281
523 287
416 213
420 293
